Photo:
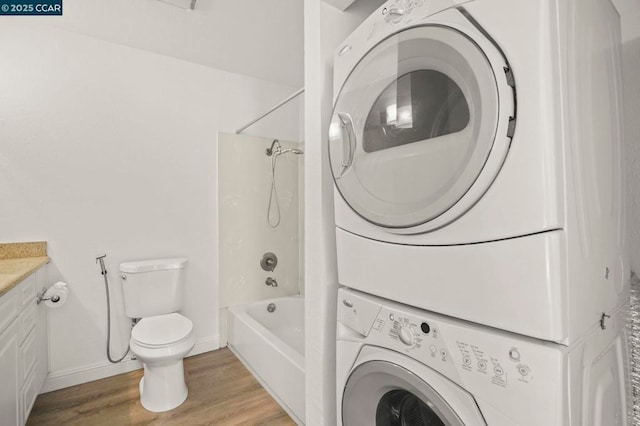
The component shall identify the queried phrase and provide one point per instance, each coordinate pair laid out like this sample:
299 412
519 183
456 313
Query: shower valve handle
269 261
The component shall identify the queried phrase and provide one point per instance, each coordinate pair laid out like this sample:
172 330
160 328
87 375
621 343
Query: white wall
325 28
244 185
105 148
258 38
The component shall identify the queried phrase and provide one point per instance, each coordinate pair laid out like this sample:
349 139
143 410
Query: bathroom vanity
23 333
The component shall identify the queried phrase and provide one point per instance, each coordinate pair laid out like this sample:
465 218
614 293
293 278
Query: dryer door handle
348 141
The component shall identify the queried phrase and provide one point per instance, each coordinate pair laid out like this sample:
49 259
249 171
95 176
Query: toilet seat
161 331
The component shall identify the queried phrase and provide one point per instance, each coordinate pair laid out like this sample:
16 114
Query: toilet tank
152 287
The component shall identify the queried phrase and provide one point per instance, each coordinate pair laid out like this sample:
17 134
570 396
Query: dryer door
413 127
382 393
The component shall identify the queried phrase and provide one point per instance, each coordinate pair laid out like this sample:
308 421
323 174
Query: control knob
406 335
395 13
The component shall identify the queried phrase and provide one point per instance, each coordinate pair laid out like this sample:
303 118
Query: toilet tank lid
153 265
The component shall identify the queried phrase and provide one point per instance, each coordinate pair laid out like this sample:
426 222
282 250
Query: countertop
18 261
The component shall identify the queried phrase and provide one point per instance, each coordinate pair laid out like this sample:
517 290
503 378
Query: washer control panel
462 351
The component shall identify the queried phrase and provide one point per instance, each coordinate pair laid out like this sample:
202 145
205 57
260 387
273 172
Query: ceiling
259 38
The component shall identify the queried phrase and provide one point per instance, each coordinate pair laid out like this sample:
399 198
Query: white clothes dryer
398 365
476 152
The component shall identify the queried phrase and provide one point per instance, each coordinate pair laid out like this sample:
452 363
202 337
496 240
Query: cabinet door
42 343
9 407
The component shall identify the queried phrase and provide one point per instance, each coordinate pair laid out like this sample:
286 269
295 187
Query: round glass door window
413 126
381 393
402 408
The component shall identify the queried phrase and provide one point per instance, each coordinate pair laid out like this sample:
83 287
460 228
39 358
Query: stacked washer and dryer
480 224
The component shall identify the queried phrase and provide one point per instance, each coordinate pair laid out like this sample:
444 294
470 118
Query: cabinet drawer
28 396
9 308
28 356
28 289
26 322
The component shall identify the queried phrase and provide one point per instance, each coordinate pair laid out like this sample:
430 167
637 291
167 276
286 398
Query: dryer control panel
478 358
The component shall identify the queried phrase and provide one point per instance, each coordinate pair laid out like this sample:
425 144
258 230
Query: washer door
382 393
413 127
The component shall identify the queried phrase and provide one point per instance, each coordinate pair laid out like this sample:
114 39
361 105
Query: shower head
278 151
289 150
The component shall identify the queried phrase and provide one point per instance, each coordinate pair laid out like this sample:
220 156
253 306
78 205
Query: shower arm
270 151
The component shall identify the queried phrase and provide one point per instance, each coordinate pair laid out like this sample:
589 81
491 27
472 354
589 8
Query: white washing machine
476 152
398 365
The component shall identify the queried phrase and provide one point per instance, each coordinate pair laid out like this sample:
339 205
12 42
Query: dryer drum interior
401 408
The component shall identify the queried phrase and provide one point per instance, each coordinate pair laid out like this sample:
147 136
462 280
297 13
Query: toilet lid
162 330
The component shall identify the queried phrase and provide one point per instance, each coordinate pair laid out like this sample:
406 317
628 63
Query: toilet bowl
161 342
153 293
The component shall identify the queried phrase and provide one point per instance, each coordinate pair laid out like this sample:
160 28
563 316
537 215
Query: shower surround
259 308
244 184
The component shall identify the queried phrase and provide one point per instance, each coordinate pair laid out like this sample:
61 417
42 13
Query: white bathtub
271 346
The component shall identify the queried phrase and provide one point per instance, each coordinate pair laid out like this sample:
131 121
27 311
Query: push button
523 370
514 354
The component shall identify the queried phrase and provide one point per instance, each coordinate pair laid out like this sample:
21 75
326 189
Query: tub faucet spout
271 282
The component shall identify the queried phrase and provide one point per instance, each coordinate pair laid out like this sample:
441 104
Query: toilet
153 293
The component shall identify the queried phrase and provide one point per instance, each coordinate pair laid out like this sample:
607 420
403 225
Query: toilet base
162 388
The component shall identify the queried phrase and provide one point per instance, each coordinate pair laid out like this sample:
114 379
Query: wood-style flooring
221 392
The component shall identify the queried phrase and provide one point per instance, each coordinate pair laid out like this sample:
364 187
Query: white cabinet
23 349
41 333
9 403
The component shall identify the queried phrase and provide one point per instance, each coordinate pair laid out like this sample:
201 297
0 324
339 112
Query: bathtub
271 346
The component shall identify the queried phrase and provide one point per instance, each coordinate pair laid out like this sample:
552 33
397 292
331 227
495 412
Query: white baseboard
71 377
205 345
65 378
